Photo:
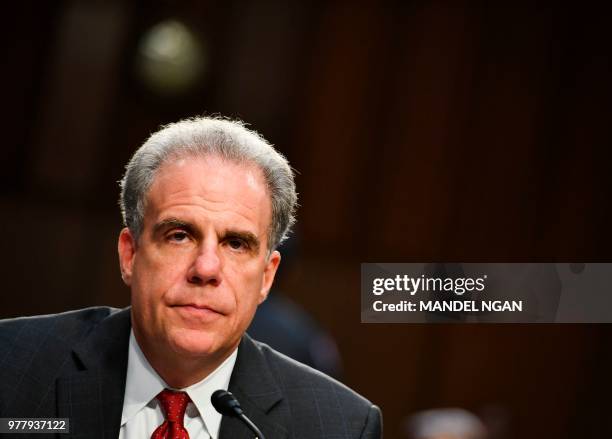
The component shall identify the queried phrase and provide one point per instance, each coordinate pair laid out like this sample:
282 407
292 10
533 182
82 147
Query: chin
194 343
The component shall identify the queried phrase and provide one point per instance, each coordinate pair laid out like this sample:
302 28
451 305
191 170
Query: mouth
199 312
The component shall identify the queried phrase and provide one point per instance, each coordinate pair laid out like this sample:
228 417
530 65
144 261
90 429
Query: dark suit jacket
73 365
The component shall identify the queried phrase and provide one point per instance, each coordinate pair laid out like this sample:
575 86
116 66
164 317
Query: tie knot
174 404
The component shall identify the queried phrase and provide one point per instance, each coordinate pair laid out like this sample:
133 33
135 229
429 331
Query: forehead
210 186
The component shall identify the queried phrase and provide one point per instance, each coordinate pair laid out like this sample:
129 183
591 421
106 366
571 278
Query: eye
177 236
236 244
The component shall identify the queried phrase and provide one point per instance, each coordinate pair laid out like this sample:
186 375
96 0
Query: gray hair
201 136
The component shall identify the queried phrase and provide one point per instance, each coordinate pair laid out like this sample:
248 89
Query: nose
206 267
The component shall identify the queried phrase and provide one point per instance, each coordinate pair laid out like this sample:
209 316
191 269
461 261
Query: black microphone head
225 403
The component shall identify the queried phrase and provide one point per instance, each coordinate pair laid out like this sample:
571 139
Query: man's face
201 264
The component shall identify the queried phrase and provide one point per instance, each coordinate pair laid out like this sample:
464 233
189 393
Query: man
205 202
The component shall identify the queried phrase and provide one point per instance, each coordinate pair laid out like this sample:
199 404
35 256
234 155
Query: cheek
156 274
142 298
245 282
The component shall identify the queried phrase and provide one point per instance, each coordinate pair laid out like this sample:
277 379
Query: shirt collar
143 384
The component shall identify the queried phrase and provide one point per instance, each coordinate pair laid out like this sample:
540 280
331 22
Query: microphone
227 404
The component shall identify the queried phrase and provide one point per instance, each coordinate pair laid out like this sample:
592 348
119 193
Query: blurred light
170 58
445 423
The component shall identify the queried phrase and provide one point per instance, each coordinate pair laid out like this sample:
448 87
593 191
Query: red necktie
174 405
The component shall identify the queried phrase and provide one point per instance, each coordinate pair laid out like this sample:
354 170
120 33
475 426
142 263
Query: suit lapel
93 398
257 391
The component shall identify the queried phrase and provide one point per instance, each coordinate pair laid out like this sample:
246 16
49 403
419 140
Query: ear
268 275
127 249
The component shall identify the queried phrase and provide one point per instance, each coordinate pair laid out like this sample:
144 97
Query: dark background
422 131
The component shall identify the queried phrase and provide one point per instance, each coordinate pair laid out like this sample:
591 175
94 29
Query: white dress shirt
142 413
